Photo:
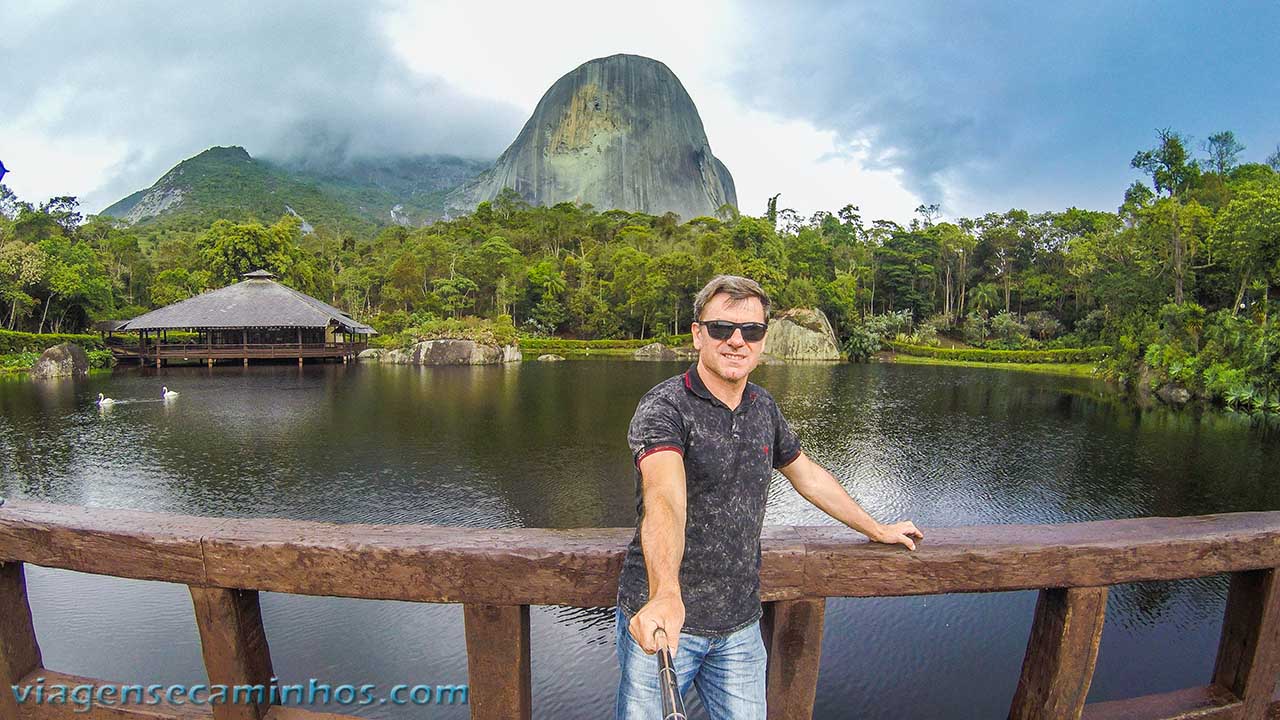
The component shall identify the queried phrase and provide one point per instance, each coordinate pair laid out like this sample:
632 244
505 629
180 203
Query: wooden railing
498 574
172 350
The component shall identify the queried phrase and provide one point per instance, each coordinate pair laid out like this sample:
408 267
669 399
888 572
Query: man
705 444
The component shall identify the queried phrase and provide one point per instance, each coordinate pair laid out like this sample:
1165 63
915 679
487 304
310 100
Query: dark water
544 445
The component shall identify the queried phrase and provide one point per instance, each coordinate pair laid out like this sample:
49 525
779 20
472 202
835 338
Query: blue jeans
728 672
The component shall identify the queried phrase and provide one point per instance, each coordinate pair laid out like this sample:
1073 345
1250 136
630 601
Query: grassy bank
1087 369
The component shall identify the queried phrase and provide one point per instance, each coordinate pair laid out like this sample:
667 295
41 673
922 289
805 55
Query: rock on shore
801 334
65 360
446 352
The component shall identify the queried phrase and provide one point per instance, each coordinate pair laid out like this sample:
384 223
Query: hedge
1072 355
534 344
12 343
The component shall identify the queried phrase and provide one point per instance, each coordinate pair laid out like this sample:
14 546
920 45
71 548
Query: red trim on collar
688 384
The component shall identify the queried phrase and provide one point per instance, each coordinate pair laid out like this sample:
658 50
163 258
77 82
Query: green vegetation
1178 281
557 345
24 361
980 355
1068 369
480 330
20 342
358 195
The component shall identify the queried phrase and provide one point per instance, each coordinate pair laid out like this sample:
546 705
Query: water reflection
543 445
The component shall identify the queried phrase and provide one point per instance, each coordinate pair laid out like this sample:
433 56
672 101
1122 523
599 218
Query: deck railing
177 350
497 574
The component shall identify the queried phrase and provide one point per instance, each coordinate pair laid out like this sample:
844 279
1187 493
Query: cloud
112 95
985 106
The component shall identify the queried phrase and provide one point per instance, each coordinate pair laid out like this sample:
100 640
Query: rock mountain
617 132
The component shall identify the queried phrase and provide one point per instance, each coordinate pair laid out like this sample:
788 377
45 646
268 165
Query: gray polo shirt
729 457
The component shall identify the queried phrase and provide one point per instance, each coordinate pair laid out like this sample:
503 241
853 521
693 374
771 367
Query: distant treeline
1177 280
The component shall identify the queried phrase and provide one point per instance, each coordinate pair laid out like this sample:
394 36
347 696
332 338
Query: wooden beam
234 645
1249 649
997 558
498 670
1201 703
536 566
19 651
792 632
1061 653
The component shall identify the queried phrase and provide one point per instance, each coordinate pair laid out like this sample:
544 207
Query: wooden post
498 671
1061 653
792 631
235 647
19 652
1249 650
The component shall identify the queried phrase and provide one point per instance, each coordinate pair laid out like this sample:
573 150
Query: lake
543 445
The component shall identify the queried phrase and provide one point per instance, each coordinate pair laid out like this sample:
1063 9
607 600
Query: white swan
168 394
104 401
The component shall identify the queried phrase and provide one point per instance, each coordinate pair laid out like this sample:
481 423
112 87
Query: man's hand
666 612
897 534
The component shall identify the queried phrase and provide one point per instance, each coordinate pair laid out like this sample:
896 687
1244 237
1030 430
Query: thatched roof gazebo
256 318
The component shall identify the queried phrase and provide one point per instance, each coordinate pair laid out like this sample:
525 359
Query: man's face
732 359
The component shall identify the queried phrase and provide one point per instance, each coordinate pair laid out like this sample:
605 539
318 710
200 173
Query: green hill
226 182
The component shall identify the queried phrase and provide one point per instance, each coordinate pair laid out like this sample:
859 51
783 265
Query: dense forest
1177 281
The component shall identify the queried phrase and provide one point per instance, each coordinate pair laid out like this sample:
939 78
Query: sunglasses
723 330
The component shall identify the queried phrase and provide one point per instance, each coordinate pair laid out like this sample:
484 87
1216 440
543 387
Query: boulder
65 360
396 357
549 358
451 352
371 354
801 334
1174 394
655 351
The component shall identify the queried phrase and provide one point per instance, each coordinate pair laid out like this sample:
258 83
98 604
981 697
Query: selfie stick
668 684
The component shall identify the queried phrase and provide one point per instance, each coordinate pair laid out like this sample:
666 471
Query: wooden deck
169 352
498 574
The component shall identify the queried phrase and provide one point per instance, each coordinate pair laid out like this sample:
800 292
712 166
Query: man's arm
662 540
819 487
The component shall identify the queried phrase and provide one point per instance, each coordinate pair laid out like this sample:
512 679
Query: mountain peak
233 153
617 132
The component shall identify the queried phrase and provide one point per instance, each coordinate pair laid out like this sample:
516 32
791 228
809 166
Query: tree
232 249
1247 236
22 267
1223 150
74 279
1170 169
1273 160
1175 234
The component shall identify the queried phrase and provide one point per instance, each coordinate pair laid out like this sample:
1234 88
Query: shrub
975 327
101 359
1042 325
861 344
20 342
18 361
1006 327
1220 378
1089 328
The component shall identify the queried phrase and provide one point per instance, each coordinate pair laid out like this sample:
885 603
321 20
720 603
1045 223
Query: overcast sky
976 106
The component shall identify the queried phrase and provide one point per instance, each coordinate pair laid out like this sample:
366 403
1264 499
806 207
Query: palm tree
983 296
